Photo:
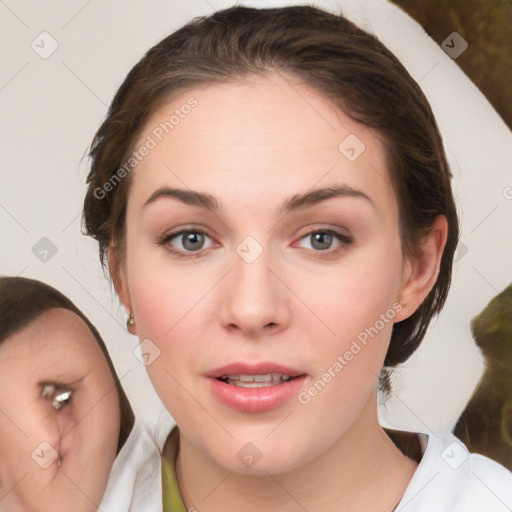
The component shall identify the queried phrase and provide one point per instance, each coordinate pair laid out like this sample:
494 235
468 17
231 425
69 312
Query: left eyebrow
295 202
309 199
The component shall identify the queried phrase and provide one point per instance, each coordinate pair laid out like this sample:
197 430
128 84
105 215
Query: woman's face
57 348
250 283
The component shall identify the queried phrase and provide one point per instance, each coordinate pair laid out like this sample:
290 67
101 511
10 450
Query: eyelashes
164 240
59 395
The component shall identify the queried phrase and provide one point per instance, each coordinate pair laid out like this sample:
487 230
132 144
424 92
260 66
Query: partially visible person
63 413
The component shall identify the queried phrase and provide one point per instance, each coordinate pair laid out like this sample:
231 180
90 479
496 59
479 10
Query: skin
253 145
57 347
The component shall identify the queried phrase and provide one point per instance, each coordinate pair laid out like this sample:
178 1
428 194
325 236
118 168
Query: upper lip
261 368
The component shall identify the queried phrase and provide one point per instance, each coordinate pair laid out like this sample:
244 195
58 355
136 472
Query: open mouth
257 381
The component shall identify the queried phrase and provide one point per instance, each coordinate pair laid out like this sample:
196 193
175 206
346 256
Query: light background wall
51 107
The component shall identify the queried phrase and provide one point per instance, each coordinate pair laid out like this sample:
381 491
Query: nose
256 302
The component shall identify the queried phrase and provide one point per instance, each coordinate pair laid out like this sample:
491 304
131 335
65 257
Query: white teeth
255 381
258 378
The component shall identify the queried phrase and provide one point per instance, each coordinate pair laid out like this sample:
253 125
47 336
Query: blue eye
193 240
323 239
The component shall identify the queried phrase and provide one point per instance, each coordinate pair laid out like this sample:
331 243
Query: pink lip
261 368
255 399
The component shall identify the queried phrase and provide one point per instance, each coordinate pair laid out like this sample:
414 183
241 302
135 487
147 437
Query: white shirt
448 478
135 483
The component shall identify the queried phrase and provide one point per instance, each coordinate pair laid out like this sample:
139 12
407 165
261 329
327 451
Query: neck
362 471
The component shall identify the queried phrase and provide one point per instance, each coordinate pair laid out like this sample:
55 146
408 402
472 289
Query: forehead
257 139
57 336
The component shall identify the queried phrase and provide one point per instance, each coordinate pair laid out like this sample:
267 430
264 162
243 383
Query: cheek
168 300
353 297
359 311
24 425
100 411
156 304
92 442
108 422
348 357
13 450
158 289
169 315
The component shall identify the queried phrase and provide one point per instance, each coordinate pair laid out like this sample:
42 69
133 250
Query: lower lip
256 399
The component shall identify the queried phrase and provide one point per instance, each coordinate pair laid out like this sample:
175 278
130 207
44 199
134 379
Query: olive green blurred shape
485 426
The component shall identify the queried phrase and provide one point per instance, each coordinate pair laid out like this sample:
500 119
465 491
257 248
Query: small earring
131 320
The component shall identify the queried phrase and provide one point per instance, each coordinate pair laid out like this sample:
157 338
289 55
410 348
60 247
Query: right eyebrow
189 197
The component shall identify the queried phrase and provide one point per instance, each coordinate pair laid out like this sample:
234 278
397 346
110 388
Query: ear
118 274
419 273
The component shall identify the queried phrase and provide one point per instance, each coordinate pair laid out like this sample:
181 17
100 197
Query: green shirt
171 497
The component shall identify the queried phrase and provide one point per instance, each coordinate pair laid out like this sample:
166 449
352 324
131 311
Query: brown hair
23 300
349 66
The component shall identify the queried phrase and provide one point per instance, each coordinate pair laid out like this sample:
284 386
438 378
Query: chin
258 458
